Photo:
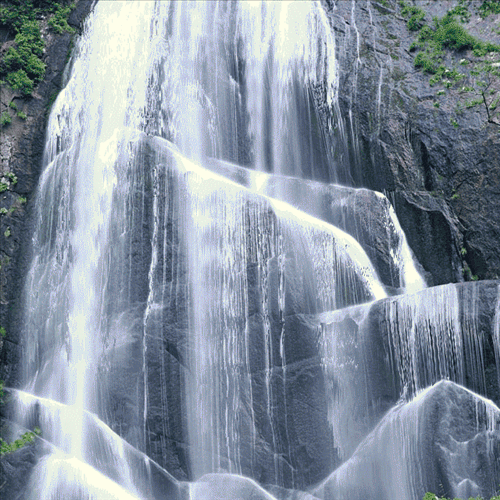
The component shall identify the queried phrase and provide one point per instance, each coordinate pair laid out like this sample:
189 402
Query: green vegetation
445 33
442 40
27 437
22 115
22 67
59 21
489 7
432 496
4 186
3 332
414 14
5 119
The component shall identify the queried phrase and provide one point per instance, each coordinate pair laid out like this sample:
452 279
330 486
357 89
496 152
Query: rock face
366 215
414 449
275 278
21 150
440 166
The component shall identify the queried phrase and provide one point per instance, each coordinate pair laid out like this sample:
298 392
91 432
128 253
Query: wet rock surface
444 419
21 150
401 142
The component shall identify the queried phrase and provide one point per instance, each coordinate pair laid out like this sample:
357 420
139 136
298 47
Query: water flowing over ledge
204 318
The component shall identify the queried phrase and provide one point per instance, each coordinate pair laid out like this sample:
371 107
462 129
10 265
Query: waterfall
206 315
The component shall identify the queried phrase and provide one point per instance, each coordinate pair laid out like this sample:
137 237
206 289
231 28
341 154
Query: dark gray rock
446 441
17 466
364 214
375 354
21 150
398 141
433 233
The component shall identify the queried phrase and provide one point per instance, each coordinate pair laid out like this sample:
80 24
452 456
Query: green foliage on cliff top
22 66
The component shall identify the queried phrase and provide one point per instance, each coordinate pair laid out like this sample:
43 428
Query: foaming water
234 81
64 476
78 210
300 264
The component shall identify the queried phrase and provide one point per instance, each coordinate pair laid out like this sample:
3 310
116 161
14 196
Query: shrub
22 66
59 21
415 16
489 7
19 80
454 36
429 61
5 119
415 21
27 437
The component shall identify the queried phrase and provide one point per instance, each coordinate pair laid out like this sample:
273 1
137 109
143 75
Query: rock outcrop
21 151
435 157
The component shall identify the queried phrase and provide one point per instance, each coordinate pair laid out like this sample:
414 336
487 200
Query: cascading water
198 329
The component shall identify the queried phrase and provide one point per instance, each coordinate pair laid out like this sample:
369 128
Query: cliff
21 151
428 143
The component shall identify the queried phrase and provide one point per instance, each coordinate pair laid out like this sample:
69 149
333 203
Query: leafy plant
22 115
59 21
489 7
22 67
27 437
11 176
19 80
5 119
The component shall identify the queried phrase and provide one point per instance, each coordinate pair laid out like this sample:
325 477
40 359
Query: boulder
446 440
